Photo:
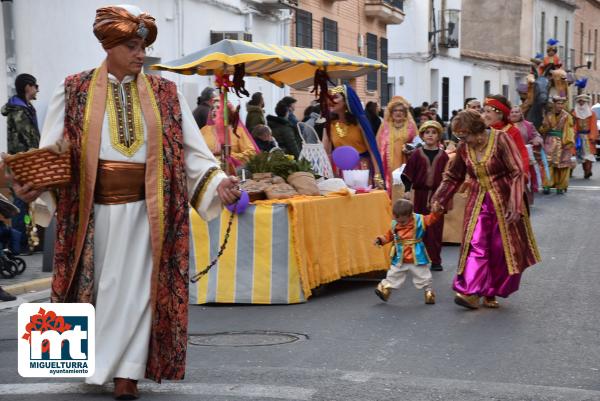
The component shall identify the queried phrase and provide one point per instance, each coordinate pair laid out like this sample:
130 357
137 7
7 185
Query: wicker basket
42 168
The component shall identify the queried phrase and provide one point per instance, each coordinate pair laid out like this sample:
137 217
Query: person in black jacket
283 131
22 134
256 113
371 110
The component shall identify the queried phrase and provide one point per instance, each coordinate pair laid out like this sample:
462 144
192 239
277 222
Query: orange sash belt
119 182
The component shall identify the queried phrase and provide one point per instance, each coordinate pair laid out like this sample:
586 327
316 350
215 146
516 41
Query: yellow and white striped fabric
281 65
258 265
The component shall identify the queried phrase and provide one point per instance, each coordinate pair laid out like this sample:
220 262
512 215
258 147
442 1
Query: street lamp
588 57
450 19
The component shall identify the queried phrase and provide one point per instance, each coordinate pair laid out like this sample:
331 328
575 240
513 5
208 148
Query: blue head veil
356 108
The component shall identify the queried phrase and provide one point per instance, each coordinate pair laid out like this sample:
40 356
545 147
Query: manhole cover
245 338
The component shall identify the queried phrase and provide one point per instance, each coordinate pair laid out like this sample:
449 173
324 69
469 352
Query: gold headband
338 89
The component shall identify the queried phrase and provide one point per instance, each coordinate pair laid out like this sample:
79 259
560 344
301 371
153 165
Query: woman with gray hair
256 113
205 103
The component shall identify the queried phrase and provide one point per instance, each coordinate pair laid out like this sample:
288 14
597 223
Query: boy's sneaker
383 292
5 296
436 267
429 297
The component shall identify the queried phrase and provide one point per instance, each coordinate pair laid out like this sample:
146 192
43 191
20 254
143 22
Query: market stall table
279 250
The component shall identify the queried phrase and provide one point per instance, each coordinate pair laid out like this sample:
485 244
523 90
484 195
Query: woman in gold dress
350 127
398 129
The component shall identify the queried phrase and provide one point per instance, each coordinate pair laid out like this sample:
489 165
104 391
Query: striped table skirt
258 265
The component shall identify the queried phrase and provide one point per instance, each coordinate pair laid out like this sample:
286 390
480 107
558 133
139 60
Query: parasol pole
226 137
226 148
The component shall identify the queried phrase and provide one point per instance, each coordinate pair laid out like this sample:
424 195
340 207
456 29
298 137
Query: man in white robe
122 222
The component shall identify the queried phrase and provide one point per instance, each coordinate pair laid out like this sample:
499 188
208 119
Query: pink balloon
241 205
345 157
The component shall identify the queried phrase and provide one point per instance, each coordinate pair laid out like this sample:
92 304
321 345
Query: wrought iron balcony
388 11
269 5
399 4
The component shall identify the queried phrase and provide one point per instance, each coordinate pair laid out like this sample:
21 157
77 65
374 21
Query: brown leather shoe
125 389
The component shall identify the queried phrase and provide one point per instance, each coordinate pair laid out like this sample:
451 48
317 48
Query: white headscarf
582 111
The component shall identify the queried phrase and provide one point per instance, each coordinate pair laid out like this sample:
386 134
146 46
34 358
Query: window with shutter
385 89
217 36
303 29
372 54
330 35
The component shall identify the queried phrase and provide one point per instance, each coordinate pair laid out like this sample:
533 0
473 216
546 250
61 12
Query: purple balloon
241 205
345 157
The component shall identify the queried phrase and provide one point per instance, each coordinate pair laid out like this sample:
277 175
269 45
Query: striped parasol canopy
281 65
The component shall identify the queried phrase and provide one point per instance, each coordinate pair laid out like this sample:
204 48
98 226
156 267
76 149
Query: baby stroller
10 264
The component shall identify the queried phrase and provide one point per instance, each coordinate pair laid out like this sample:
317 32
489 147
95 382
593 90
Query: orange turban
114 25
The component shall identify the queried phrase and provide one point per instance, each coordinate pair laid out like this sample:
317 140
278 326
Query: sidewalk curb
29 286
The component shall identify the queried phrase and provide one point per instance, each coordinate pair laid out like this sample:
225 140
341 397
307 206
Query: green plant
281 164
298 166
259 163
304 165
277 163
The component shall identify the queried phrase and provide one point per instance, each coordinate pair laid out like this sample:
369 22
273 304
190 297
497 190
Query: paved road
542 344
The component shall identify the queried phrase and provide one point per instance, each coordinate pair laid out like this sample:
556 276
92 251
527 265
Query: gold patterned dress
390 141
493 253
559 141
344 134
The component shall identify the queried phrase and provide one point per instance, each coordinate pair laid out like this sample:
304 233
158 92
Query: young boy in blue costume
408 251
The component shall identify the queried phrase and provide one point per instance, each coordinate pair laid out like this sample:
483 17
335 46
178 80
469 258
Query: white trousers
122 273
397 274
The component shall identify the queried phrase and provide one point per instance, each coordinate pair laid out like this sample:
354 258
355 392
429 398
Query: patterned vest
418 246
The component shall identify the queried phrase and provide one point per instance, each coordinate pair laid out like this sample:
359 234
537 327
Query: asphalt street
542 344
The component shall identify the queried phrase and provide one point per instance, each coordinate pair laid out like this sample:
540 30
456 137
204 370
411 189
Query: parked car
596 110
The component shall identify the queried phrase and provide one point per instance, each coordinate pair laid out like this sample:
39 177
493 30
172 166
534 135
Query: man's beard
583 111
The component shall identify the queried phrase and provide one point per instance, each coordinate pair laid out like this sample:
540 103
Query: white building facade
496 41
52 39
425 66
422 70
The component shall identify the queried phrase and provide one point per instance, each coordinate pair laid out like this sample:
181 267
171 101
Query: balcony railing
387 11
399 4
269 5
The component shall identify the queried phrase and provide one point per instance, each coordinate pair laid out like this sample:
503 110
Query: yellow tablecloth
317 240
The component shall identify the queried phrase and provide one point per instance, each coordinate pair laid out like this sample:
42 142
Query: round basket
42 168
